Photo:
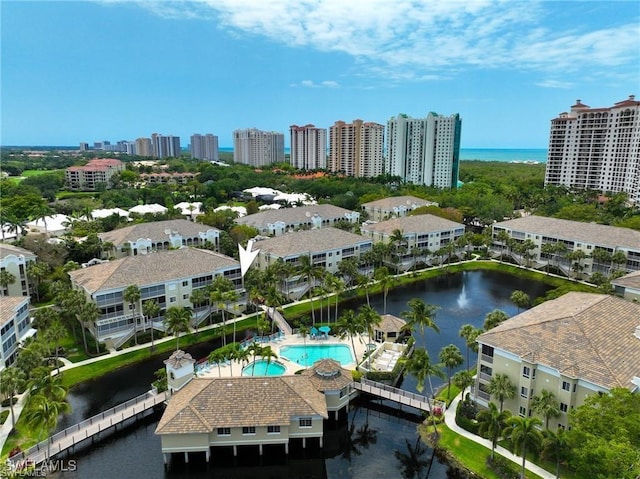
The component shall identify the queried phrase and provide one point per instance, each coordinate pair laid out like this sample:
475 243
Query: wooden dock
400 396
89 428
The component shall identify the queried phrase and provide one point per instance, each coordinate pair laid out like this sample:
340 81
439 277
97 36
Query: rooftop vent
637 333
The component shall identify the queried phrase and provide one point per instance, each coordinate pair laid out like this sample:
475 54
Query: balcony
486 359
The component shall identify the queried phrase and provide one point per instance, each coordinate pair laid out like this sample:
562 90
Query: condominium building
424 151
278 222
575 236
258 148
165 146
96 174
143 238
308 147
394 207
14 260
144 147
204 147
158 178
356 149
168 277
15 327
575 346
597 148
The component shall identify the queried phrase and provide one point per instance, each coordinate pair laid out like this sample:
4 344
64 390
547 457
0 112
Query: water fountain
463 301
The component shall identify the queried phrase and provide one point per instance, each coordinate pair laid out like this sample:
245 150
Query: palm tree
555 447
177 321
46 384
525 436
36 272
419 365
547 405
348 325
420 315
385 280
548 250
132 295
54 333
6 278
450 357
42 414
231 297
198 298
217 356
363 281
88 313
369 317
12 380
463 380
504 238
151 309
269 354
469 333
219 288
501 387
491 423
310 271
520 299
494 318
336 285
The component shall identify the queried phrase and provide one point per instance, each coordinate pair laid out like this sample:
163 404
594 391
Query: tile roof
9 249
582 335
328 375
387 204
179 358
155 231
631 280
309 241
205 404
8 305
390 323
591 233
297 215
412 224
152 268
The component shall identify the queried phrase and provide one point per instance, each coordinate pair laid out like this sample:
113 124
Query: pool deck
234 368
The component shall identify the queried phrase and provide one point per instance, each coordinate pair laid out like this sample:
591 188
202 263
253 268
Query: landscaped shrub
503 467
5 403
3 416
465 416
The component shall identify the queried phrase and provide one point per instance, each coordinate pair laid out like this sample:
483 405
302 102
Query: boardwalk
398 395
277 318
89 428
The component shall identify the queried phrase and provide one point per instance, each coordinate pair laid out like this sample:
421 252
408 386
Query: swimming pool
309 354
262 368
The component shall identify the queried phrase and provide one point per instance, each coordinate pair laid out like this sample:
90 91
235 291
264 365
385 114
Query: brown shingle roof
309 241
8 305
582 335
390 323
208 403
631 280
156 231
413 224
297 215
387 204
591 233
8 249
152 268
328 375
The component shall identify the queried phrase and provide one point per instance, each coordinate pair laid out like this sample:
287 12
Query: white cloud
555 84
322 84
429 38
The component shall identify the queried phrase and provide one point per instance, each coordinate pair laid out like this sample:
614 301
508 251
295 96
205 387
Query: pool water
262 368
306 355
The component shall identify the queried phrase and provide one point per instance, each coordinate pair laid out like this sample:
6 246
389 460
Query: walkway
277 318
7 426
450 421
397 395
89 428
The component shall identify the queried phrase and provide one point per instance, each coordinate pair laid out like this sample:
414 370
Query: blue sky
114 70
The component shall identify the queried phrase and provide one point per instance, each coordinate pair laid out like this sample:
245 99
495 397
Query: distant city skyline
107 69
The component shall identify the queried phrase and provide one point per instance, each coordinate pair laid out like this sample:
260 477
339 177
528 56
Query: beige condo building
356 149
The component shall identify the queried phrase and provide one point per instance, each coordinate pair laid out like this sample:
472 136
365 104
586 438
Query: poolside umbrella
314 331
324 329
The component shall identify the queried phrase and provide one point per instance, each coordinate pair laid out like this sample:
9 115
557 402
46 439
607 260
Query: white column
208 455
304 443
320 441
286 448
186 457
165 458
235 450
260 449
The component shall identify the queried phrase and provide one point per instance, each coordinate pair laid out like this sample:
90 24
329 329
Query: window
273 429
172 299
566 386
249 430
563 407
305 422
574 387
524 392
185 283
533 376
523 411
526 371
224 431
185 296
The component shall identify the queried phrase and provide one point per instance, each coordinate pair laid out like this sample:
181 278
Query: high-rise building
356 149
308 147
165 146
204 147
84 146
424 151
96 174
258 148
597 148
144 147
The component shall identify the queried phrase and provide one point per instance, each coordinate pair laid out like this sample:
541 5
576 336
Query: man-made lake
362 447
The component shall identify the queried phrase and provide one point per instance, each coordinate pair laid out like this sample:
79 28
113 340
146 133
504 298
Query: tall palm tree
525 436
363 281
491 423
336 284
555 447
42 414
12 380
369 318
177 321
501 387
151 309
420 315
88 313
230 297
132 295
54 333
219 288
36 272
385 280
520 299
469 333
419 365
310 272
46 384
463 380
349 325
6 278
494 318
548 250
547 405
450 357
217 356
